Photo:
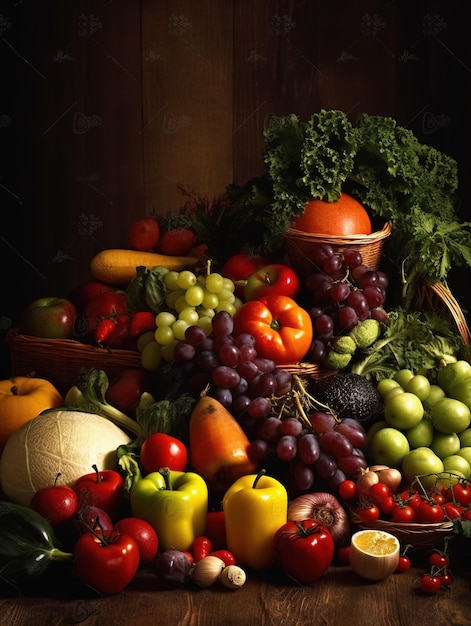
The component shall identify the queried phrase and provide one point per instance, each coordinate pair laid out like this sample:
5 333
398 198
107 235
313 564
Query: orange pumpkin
21 399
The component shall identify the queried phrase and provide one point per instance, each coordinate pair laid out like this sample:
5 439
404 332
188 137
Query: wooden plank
187 99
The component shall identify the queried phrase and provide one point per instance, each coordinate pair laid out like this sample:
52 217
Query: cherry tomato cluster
410 505
439 575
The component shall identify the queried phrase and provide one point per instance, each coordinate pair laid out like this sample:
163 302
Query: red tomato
403 564
281 328
239 267
143 534
201 547
83 293
126 389
461 493
276 279
429 513
178 242
106 565
305 549
403 514
369 513
378 493
439 560
445 579
430 584
106 305
347 490
144 233
453 511
161 450
388 505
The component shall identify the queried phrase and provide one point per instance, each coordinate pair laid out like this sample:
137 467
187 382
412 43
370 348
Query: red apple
239 267
143 534
103 489
57 503
50 317
276 279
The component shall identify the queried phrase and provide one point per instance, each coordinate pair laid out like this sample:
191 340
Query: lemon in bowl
374 554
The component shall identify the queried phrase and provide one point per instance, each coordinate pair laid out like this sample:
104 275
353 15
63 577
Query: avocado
348 395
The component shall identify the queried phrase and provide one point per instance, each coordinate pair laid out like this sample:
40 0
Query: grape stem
299 400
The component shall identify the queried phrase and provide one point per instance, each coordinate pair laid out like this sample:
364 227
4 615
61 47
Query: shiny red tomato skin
461 493
403 515
109 304
86 291
275 279
305 549
106 567
161 450
282 329
430 584
143 534
403 564
429 513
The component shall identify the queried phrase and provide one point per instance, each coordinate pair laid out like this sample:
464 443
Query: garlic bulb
374 554
233 577
207 571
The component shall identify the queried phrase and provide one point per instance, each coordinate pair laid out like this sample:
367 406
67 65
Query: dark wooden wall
108 106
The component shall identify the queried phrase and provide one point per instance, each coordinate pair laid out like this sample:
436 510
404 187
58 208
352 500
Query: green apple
465 453
457 463
450 415
403 376
49 317
465 437
445 444
421 434
403 411
419 385
388 446
452 373
373 429
385 385
420 462
436 394
462 391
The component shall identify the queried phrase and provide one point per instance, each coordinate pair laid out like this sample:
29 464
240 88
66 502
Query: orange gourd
218 445
21 399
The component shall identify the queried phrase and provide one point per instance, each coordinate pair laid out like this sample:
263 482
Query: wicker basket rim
293 233
415 527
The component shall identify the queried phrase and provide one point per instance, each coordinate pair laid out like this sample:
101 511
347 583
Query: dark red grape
286 448
259 407
340 292
303 476
336 444
195 335
352 257
325 466
183 351
229 354
308 448
347 318
225 376
291 426
222 323
270 429
322 422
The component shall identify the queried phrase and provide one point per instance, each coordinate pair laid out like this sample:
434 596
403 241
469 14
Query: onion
325 509
390 476
364 481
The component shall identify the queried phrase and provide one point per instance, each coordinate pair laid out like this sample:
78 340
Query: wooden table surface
340 597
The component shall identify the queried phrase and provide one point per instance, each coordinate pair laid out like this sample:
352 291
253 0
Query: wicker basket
438 297
418 536
61 360
300 245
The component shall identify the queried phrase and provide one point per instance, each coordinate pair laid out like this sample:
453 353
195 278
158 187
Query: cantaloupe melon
69 442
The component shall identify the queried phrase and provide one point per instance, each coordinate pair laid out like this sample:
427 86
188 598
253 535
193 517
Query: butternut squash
219 447
118 266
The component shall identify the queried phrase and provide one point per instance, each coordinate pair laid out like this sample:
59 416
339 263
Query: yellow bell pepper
255 507
174 503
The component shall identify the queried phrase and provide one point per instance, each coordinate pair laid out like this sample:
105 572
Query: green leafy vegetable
147 290
421 341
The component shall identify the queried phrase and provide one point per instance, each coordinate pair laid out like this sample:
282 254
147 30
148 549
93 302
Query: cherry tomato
438 498
347 490
430 584
429 513
143 534
462 493
403 514
414 501
466 514
388 505
282 329
378 493
369 513
224 555
107 565
445 579
305 549
403 564
161 450
453 511
201 547
439 560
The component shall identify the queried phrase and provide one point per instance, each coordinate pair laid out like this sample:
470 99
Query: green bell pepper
174 503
